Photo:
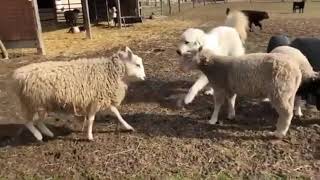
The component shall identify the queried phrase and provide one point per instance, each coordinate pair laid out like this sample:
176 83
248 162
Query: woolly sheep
223 40
256 75
304 66
83 86
309 48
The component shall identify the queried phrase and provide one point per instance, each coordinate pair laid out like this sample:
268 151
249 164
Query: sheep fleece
51 85
253 75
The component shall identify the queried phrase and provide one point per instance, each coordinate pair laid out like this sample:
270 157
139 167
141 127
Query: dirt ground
169 143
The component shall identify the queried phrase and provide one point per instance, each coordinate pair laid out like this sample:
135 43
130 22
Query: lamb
309 48
305 67
223 40
257 75
255 17
83 86
71 17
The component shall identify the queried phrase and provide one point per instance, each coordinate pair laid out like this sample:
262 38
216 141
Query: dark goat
71 17
276 41
298 5
254 17
310 48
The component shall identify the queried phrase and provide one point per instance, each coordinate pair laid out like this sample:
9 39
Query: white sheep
223 40
83 86
256 75
305 67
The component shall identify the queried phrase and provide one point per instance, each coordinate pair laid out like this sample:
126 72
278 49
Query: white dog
225 40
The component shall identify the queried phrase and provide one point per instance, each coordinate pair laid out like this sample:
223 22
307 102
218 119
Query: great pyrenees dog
227 40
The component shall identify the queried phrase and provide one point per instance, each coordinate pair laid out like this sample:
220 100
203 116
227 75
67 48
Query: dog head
191 40
265 15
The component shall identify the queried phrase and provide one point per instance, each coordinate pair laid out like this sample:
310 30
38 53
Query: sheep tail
239 21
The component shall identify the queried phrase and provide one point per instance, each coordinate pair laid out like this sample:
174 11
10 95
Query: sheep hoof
212 122
276 134
298 114
209 92
90 138
180 104
231 117
130 129
266 100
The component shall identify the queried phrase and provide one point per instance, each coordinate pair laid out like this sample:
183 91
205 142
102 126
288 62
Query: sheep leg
219 99
196 87
209 92
36 133
91 117
258 24
121 120
285 111
84 123
250 26
297 107
231 106
42 127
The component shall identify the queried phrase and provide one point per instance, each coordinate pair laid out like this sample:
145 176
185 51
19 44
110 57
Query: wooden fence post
86 18
119 14
169 4
161 7
4 51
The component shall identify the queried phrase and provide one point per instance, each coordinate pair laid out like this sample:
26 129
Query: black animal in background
298 5
276 41
71 17
254 17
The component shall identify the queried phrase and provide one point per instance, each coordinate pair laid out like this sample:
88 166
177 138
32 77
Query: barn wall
17 20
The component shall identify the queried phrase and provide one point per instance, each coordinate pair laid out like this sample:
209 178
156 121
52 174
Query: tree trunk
179 5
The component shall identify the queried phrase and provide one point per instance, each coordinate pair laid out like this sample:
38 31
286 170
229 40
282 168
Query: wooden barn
99 10
20 25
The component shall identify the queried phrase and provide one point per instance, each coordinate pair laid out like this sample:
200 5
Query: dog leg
197 86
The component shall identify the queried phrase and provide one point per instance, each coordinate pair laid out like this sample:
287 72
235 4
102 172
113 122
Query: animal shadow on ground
19 135
157 91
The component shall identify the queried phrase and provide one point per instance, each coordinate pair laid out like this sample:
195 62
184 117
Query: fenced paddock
169 143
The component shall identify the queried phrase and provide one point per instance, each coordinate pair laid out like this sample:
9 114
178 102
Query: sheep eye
186 42
138 65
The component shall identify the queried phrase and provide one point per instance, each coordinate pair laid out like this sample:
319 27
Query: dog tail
239 21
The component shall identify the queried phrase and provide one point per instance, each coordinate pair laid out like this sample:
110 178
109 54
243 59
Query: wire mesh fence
169 7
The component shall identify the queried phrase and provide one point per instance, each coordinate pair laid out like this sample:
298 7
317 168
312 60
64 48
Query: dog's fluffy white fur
224 40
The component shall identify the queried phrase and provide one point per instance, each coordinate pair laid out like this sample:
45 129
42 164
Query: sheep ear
128 49
200 48
122 55
203 60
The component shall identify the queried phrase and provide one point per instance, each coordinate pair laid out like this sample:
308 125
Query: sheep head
193 58
133 63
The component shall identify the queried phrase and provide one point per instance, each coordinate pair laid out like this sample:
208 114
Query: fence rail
168 7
